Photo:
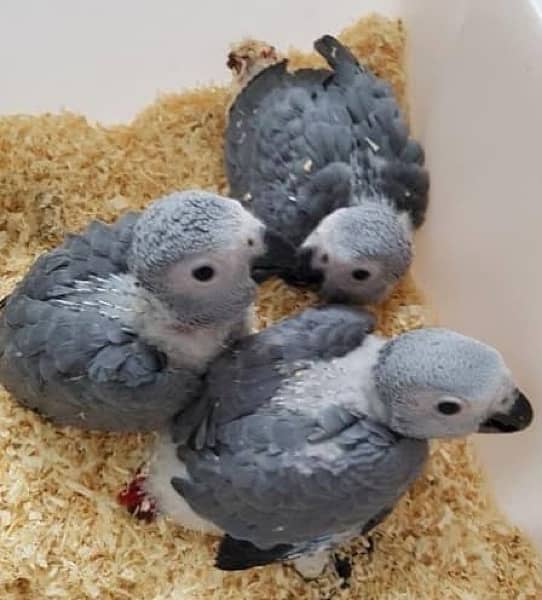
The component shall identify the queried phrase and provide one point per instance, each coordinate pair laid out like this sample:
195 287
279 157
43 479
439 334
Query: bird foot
248 57
135 498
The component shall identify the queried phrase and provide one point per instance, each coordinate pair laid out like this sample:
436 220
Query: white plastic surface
475 73
109 58
476 90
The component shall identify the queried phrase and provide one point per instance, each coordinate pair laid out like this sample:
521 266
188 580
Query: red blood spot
136 500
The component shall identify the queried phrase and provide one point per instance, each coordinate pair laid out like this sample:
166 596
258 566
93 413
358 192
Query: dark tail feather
336 55
238 555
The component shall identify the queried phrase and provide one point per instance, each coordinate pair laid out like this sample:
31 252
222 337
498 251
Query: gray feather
64 357
285 129
251 372
341 495
274 473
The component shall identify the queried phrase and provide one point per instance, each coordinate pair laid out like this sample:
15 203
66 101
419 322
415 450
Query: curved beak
306 272
277 259
517 418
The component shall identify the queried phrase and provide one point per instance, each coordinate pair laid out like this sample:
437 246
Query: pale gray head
360 252
193 250
437 383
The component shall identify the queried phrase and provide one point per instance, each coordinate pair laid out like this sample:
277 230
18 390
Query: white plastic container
476 95
475 77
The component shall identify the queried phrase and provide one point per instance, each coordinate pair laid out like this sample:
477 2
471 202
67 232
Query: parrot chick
113 329
323 157
312 429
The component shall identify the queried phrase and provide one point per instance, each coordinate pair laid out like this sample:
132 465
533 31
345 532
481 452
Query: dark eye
204 273
250 242
324 258
449 408
360 274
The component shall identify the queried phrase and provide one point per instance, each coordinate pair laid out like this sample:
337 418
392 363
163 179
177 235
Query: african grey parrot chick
113 329
324 158
312 429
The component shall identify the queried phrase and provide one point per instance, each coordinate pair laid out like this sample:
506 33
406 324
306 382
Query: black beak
519 417
305 271
260 271
278 259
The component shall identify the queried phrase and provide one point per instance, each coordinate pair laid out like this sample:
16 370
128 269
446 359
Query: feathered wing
249 374
69 358
300 145
287 157
386 160
100 250
284 494
262 472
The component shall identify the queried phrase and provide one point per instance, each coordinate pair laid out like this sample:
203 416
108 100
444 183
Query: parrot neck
361 361
185 344
347 381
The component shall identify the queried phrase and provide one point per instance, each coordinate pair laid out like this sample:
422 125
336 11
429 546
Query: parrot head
435 383
357 254
193 250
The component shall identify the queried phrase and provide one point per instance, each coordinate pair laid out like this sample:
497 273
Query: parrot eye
250 242
448 408
324 258
360 274
204 273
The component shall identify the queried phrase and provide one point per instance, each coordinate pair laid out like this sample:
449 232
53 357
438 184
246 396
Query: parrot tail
336 55
238 555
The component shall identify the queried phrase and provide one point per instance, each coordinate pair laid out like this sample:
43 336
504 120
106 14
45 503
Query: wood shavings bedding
62 535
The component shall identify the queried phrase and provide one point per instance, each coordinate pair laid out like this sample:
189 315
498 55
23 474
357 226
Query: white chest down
163 467
186 346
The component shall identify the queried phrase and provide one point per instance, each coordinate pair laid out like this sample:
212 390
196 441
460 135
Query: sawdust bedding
62 535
